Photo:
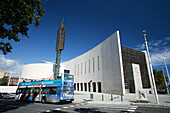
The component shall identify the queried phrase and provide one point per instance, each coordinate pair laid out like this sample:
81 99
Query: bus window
20 90
52 90
36 90
68 77
28 91
44 91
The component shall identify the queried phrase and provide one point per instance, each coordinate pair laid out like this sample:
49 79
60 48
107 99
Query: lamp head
144 32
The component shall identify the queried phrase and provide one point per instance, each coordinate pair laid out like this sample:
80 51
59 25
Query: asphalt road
12 106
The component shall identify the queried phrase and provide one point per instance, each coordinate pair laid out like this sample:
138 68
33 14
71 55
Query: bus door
35 94
20 94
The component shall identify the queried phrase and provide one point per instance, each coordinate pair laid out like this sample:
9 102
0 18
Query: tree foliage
15 17
159 79
4 81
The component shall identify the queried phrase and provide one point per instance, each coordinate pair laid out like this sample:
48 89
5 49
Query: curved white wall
105 66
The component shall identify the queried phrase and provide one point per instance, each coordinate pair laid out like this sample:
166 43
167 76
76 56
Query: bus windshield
68 77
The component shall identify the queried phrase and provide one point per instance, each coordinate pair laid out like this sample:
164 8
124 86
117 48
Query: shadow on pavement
7 105
167 101
55 111
88 110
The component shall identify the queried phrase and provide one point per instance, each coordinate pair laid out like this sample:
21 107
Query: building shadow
88 110
167 101
11 104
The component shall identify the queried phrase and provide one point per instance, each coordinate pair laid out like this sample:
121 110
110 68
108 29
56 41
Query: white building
112 68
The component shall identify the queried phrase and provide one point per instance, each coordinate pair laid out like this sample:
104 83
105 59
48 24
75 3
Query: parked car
162 92
2 95
9 96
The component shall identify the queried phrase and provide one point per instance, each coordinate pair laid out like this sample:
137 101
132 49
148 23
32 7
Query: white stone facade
102 65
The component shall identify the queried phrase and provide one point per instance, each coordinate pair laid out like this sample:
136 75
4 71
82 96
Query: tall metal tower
59 47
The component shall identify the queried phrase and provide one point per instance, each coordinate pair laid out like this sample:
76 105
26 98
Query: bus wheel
43 100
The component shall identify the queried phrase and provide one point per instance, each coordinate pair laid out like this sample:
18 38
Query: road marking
65 107
130 110
133 108
77 105
57 109
72 106
48 111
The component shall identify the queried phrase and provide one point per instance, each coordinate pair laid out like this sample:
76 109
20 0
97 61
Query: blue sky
88 23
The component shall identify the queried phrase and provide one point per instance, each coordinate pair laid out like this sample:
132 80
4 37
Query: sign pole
59 47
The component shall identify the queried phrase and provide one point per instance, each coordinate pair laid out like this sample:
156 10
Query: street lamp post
165 81
152 75
166 67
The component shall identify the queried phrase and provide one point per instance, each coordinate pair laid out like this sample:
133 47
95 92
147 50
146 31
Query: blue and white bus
61 89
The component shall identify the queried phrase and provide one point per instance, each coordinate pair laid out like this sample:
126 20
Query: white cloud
158 48
167 38
156 57
9 65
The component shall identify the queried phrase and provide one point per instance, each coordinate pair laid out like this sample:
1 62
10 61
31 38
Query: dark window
94 86
89 86
67 71
85 86
99 87
77 86
81 84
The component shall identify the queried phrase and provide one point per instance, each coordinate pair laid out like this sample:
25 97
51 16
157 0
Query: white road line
57 109
133 108
72 106
130 110
48 111
65 107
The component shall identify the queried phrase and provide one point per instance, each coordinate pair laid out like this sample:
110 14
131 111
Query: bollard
111 97
102 97
122 97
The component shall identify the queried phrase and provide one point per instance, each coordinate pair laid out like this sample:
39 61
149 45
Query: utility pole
165 81
152 75
59 47
166 68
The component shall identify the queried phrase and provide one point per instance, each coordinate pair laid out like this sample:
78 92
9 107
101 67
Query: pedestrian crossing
132 109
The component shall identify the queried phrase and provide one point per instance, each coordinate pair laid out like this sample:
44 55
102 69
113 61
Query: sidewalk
128 99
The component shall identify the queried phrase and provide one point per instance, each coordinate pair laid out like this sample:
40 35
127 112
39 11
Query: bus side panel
54 97
68 90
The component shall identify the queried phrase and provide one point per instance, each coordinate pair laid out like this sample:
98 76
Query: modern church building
113 69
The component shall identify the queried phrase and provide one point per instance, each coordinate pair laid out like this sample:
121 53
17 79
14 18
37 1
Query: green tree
15 17
4 81
159 80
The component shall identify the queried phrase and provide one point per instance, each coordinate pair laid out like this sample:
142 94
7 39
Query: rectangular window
89 86
77 86
78 70
93 65
81 84
81 68
94 86
85 67
75 71
74 86
98 64
99 87
85 86
89 66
